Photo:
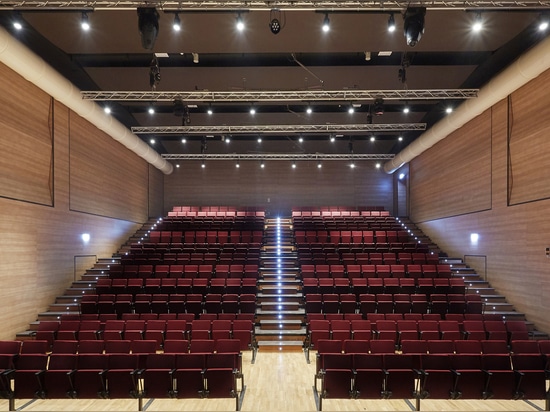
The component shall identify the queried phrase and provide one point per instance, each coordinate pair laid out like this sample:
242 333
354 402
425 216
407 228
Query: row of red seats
409 376
363 247
381 271
384 285
437 346
156 330
351 236
393 303
205 271
185 285
182 375
400 330
215 208
205 236
339 212
366 258
194 303
407 316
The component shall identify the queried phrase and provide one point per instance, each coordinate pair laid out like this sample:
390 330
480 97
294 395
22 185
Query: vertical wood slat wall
48 198
453 202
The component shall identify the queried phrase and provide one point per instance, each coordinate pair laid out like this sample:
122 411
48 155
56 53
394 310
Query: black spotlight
179 109
275 26
378 107
414 24
277 21
154 73
148 25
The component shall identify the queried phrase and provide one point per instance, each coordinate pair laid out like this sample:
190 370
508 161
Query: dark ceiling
110 57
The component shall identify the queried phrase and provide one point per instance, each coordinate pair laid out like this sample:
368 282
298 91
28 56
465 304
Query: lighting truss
266 5
281 156
278 129
280 96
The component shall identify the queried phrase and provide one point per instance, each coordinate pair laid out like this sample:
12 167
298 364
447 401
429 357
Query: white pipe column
34 69
528 66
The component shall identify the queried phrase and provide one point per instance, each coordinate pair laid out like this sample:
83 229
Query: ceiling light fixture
332 138
300 139
449 110
543 22
184 140
378 165
326 23
352 165
294 165
203 165
262 165
378 107
259 140
372 138
252 110
319 165
391 23
177 23
414 24
107 109
17 21
400 138
478 23
151 109
84 22
406 108
240 23
152 141
148 25
351 109
309 110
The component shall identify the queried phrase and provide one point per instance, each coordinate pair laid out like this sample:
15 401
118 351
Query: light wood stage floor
277 381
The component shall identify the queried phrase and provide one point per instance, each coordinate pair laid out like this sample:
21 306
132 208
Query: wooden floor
277 381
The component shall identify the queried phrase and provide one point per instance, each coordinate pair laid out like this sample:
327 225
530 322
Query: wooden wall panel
26 141
156 192
454 176
278 186
529 144
106 178
39 243
513 238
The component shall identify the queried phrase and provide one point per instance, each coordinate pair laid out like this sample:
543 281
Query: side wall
278 187
490 178
59 177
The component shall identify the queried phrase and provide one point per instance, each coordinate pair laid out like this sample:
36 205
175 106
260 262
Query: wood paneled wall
512 238
26 143
106 179
156 192
454 178
39 227
278 187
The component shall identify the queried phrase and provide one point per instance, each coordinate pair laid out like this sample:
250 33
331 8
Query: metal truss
208 5
281 156
280 96
278 129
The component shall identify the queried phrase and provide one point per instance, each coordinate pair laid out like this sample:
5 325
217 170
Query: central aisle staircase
280 317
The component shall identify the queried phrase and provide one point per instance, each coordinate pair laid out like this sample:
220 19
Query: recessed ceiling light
386 53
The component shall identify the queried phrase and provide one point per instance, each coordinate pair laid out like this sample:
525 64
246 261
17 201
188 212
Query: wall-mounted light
85 237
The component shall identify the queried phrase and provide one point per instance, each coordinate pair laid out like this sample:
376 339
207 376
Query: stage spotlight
391 23
154 73
275 26
148 25
177 23
240 23
17 21
543 22
378 107
414 24
326 23
84 22
478 23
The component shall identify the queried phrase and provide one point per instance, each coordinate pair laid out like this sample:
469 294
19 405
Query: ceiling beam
322 5
279 96
278 129
280 156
